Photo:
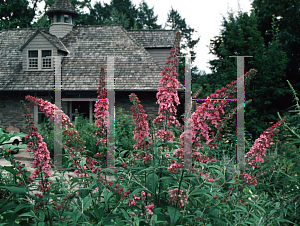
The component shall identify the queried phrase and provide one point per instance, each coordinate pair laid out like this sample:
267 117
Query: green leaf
84 192
119 222
98 212
15 190
151 182
82 162
10 169
22 206
220 174
42 215
125 214
28 214
174 214
86 202
153 219
54 211
107 194
9 206
76 215
199 192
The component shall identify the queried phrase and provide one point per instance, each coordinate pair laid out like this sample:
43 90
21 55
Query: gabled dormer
62 16
38 51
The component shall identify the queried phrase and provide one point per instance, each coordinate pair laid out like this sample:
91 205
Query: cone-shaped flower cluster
167 94
259 147
73 143
49 109
101 109
203 120
38 148
141 131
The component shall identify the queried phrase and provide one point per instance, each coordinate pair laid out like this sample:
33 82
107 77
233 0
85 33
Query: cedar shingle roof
88 46
63 6
154 38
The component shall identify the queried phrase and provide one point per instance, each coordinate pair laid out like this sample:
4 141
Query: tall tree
118 18
16 13
240 37
176 22
98 15
146 18
287 14
127 8
122 12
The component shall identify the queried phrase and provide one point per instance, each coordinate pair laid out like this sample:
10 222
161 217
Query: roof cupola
62 16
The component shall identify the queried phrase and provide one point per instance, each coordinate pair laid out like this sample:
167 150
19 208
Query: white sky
205 16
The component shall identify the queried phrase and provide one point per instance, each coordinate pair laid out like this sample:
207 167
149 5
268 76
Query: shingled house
27 64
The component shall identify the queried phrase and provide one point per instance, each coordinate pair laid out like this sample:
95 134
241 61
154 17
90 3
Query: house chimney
62 17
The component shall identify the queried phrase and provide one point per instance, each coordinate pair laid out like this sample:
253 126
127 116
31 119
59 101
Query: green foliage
98 200
286 16
146 18
118 18
123 131
15 13
122 12
87 132
240 36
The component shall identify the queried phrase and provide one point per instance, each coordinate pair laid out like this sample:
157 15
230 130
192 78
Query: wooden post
57 115
240 124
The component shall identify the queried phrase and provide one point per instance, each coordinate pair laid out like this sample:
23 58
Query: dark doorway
83 109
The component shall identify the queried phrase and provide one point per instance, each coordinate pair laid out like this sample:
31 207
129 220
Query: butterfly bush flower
259 147
38 148
149 208
167 94
177 196
49 109
141 131
207 116
73 143
101 109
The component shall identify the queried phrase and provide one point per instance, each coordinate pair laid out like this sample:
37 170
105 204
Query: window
39 59
33 59
58 18
46 58
66 18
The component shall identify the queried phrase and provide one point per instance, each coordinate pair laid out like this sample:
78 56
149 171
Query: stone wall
148 101
11 113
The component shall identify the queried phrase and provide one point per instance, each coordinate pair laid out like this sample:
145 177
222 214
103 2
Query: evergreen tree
125 9
146 18
240 37
176 22
16 14
287 18
118 18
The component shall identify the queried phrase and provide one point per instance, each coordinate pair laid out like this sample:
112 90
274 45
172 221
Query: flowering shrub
151 186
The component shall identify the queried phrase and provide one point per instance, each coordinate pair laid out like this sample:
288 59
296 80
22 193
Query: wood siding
38 43
60 29
159 55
